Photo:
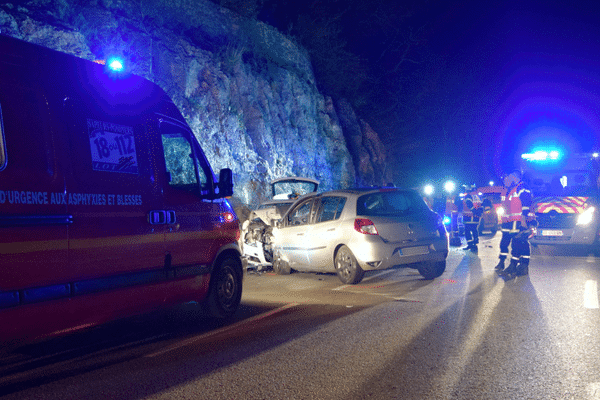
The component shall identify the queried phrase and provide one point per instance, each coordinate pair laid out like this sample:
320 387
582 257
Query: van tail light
366 226
228 216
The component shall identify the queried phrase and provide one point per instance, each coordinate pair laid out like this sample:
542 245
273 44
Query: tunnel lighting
491 183
449 186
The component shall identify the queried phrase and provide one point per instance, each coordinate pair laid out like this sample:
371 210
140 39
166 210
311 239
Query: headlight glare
586 217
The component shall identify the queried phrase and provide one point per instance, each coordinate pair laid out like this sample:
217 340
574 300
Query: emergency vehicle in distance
566 197
108 206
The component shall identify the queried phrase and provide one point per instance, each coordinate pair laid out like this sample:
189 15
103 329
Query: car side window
330 208
301 214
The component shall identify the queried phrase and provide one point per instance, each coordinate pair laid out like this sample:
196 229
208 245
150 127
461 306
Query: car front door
292 238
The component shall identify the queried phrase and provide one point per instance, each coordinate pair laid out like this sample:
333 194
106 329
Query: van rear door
33 213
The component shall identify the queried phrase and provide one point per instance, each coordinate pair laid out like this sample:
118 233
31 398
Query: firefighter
472 212
516 230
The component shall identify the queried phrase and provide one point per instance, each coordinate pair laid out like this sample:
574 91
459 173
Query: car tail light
366 226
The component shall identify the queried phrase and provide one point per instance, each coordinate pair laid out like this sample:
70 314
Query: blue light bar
542 155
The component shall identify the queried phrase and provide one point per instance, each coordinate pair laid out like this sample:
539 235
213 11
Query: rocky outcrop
247 91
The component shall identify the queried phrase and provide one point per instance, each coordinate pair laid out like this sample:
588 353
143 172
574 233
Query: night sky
461 89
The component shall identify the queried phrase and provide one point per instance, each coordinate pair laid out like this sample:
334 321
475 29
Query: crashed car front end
257 230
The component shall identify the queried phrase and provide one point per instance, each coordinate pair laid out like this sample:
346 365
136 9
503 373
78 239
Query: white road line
590 296
237 325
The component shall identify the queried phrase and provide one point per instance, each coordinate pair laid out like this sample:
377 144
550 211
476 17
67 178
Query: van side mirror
225 184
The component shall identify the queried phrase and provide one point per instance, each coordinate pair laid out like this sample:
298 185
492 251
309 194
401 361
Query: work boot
522 270
500 266
510 272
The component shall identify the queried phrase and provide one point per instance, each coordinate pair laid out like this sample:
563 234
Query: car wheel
347 267
432 269
281 267
225 290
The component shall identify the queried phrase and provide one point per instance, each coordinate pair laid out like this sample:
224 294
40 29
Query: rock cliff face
246 90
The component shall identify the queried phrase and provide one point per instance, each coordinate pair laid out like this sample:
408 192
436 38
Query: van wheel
347 267
225 291
431 269
281 267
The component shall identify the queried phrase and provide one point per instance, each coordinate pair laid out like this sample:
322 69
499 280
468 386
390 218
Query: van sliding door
111 194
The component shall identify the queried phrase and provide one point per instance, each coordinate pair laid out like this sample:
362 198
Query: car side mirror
225 184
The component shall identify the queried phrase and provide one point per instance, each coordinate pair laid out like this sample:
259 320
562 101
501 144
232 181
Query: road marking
235 326
590 296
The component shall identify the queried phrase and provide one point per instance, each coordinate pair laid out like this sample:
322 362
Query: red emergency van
108 206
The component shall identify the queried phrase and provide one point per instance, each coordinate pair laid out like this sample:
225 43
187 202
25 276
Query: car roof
294 179
357 191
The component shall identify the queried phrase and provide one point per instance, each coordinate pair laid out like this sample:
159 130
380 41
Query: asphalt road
465 335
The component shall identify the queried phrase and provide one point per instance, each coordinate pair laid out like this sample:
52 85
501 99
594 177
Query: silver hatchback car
358 230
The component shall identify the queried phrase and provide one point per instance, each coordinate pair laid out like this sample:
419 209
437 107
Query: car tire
347 267
281 267
225 290
431 269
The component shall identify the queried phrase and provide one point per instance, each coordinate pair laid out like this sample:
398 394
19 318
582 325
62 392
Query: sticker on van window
112 146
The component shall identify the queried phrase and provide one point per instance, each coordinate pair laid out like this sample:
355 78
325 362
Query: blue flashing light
115 64
542 156
447 220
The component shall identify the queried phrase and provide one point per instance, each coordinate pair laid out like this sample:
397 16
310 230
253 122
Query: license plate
415 251
546 232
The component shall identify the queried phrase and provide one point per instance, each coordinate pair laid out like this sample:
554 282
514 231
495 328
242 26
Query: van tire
431 269
347 267
225 291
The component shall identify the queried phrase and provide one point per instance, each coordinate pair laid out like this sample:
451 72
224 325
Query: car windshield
390 203
292 189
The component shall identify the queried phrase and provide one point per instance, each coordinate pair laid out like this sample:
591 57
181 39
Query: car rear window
390 203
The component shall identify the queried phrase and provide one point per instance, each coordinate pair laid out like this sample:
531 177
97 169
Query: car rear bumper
387 255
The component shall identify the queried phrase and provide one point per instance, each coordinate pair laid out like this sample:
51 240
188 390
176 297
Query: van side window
181 160
2 143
